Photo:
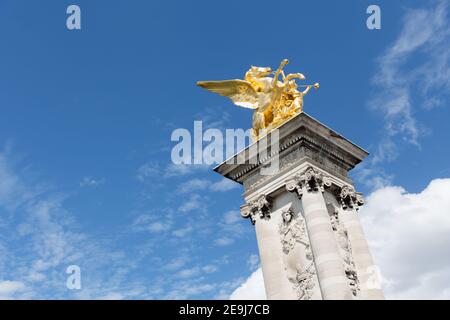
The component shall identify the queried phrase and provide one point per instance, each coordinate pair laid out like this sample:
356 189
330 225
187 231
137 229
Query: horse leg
258 123
277 73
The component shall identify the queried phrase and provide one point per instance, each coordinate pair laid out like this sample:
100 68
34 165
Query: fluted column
329 265
366 270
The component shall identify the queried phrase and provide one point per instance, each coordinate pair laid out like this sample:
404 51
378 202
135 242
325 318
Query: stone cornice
301 131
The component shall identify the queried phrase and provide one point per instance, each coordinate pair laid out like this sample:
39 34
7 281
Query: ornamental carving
298 257
345 249
311 179
260 207
349 198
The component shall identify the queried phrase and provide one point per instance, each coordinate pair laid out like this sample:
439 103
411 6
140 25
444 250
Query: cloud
40 238
414 68
152 223
251 289
230 227
223 185
223 241
112 296
413 73
193 185
204 184
231 217
210 268
181 232
194 202
409 237
253 261
177 170
188 273
9 288
91 182
147 170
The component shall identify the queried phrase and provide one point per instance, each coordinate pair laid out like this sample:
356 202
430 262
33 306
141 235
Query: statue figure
274 101
298 258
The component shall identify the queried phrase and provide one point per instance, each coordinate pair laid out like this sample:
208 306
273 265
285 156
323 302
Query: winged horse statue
275 101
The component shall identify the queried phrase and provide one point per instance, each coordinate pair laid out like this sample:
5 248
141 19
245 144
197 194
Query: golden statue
274 101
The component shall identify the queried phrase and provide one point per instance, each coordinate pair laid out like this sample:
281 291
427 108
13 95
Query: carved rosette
311 179
293 233
260 207
349 198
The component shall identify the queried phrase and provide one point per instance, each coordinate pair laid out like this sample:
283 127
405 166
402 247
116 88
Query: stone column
310 256
365 267
330 269
270 251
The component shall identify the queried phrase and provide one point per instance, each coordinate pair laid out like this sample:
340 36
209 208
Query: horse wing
239 91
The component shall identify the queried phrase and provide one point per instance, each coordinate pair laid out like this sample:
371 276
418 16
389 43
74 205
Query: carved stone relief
345 249
298 257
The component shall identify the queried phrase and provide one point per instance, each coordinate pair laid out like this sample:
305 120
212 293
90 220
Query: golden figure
274 101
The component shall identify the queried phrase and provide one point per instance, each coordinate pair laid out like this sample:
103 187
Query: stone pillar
367 271
311 244
328 261
270 251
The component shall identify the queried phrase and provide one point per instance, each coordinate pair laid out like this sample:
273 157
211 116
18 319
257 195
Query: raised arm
279 70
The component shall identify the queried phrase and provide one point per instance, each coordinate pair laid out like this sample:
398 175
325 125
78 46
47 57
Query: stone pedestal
305 213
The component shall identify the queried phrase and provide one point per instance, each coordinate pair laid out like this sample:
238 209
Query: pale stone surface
310 240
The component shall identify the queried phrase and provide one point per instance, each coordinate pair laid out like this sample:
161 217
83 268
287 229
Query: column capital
310 178
349 198
260 207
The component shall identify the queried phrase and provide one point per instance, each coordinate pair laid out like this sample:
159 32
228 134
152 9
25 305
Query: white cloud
194 202
251 289
193 185
40 238
176 263
223 185
91 182
188 273
152 223
409 237
210 268
413 75
231 217
224 241
147 171
181 232
253 261
112 296
425 32
204 184
9 288
176 170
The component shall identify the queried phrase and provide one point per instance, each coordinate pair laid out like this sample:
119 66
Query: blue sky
86 118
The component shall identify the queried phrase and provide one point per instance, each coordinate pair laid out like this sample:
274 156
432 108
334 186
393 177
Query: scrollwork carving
260 207
311 179
349 198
